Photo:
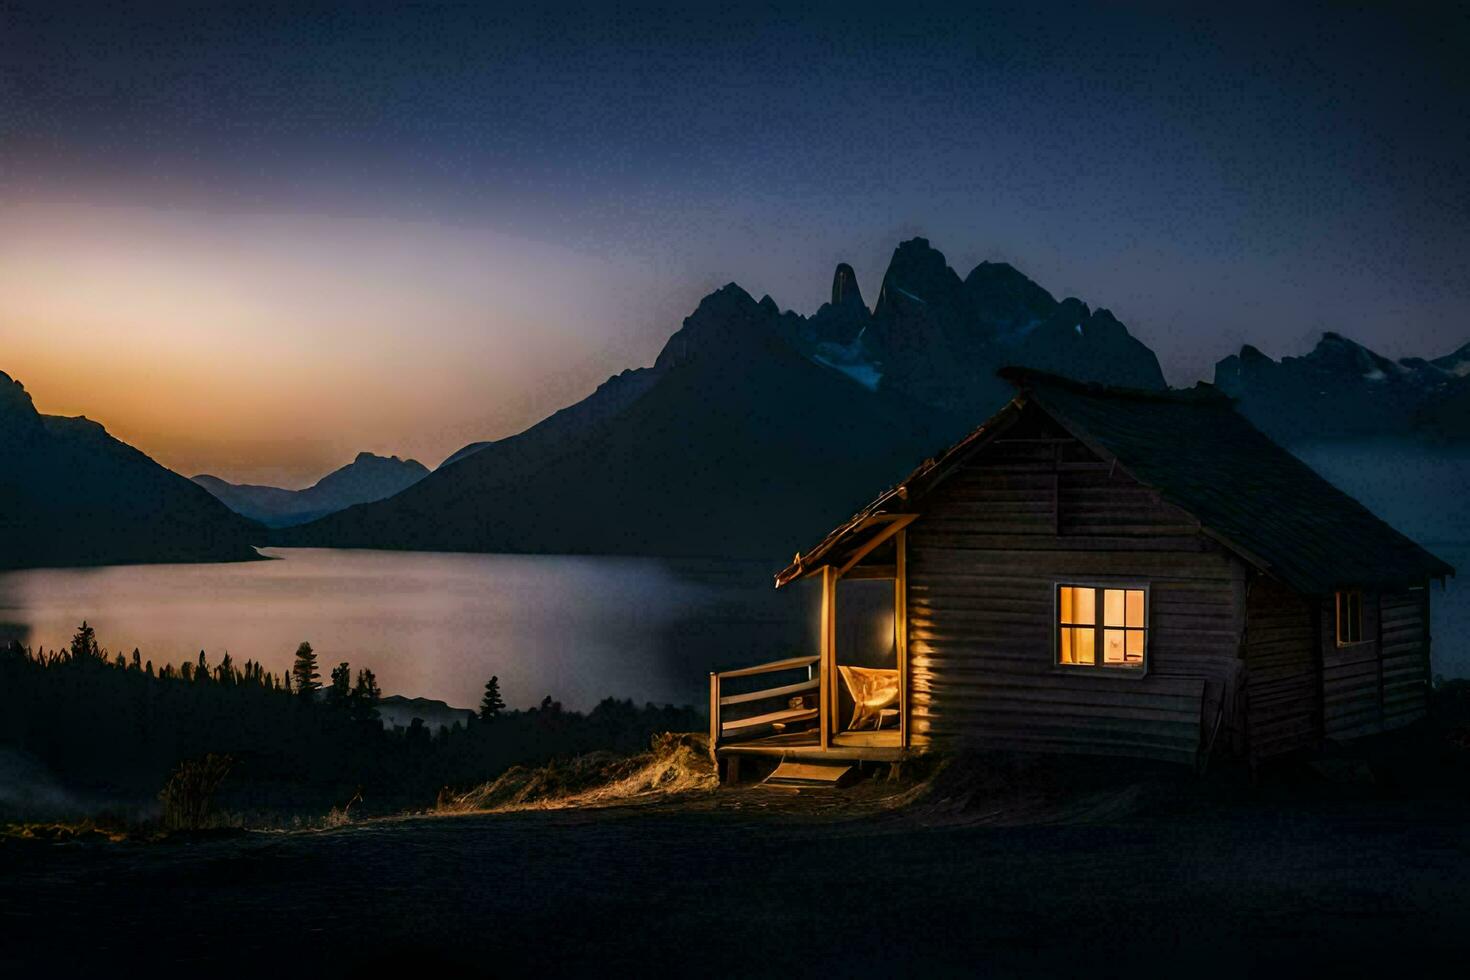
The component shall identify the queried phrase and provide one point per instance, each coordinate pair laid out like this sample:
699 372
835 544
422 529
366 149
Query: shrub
188 796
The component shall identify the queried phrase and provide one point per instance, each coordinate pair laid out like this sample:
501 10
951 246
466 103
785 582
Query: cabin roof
1200 454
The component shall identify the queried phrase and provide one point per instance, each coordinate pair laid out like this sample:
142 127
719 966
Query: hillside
70 494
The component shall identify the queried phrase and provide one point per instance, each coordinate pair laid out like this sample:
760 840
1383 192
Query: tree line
112 729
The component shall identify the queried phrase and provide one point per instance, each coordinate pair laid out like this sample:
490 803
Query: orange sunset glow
274 348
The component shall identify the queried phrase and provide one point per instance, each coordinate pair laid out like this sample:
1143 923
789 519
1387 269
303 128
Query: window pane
1112 646
1085 606
1135 646
1135 607
1065 606
1349 617
1112 607
1083 647
1066 653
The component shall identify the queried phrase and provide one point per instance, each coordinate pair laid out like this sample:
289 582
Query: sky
254 241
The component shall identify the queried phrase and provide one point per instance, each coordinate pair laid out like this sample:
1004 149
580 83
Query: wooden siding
1283 703
1404 638
1382 682
1031 509
1351 702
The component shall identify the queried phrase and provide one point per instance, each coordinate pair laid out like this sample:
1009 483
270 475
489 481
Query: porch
812 708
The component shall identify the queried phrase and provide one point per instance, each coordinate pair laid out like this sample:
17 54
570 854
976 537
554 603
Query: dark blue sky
1241 175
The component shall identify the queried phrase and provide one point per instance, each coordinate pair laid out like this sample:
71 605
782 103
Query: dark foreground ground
755 882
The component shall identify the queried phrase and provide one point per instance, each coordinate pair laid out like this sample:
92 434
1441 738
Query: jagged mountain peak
13 396
367 458
19 420
70 494
1004 300
1341 389
845 291
1337 354
918 273
367 478
728 323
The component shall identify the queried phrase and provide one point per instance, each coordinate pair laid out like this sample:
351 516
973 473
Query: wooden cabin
1098 570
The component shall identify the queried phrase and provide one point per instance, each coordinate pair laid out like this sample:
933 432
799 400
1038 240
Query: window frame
1337 621
1098 667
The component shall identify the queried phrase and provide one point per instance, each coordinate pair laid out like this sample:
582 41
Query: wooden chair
874 693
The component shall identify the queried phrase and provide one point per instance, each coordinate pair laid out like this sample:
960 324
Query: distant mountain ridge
754 425
70 494
1342 390
365 479
398 711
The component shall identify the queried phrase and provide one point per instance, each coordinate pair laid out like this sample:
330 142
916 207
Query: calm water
436 625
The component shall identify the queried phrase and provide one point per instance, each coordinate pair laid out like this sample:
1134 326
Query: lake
438 625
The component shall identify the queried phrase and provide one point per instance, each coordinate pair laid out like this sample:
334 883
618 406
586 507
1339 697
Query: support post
827 716
901 632
714 717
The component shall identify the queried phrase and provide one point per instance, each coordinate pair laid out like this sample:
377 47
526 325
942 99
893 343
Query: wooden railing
721 730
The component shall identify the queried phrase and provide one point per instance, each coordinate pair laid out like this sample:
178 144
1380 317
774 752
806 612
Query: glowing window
1101 626
1349 618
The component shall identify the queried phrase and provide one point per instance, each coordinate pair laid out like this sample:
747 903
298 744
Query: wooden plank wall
1283 690
1404 635
1351 702
1031 509
1383 682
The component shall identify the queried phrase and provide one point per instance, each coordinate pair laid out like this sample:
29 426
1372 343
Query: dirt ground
1107 880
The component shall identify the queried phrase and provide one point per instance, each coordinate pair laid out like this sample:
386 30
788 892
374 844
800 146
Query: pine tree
491 705
304 673
341 689
84 644
365 695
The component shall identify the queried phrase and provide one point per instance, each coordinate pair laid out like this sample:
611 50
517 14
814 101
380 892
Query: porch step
811 775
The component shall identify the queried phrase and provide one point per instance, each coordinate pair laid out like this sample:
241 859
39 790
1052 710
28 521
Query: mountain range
731 443
70 494
754 426
1341 391
365 479
753 429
